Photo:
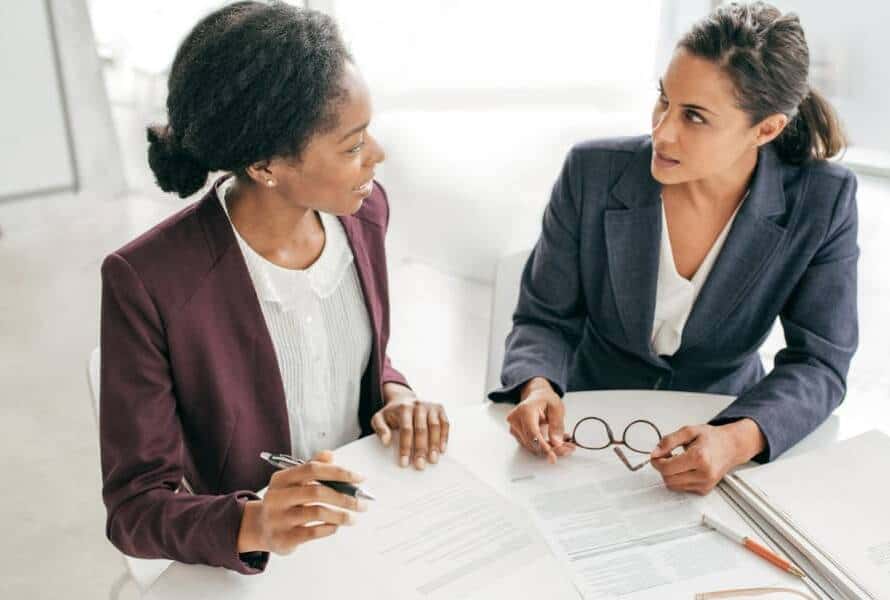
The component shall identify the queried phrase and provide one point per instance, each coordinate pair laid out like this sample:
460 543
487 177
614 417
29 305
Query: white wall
34 143
57 131
848 62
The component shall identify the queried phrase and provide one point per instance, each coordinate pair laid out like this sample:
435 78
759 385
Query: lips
664 162
365 188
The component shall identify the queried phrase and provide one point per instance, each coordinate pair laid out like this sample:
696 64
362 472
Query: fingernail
358 477
403 461
444 446
350 519
361 506
420 463
434 456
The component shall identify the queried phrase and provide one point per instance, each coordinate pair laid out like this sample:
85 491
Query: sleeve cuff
510 394
247 563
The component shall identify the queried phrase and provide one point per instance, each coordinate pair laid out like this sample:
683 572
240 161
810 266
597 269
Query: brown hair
765 54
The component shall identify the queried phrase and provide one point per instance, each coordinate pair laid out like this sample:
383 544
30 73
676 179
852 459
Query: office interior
476 104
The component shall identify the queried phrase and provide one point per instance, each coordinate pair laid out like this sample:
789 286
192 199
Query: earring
270 183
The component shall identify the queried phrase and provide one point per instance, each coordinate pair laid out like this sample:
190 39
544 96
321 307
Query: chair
504 298
141 571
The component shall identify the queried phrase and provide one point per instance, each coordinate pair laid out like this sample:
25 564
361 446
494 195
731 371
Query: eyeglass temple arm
626 462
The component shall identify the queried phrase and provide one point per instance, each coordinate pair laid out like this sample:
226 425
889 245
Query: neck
723 190
268 220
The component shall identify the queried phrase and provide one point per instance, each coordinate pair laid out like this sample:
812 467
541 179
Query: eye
694 117
357 148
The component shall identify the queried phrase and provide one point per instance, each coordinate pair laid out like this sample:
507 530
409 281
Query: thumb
682 437
378 423
325 456
556 422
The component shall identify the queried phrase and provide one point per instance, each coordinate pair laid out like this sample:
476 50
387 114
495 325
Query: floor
50 252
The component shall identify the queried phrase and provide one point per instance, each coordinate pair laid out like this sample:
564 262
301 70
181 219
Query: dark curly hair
250 82
765 54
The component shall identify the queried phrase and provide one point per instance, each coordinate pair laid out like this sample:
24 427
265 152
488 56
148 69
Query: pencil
758 549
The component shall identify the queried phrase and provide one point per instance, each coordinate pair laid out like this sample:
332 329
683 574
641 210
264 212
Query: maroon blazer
190 385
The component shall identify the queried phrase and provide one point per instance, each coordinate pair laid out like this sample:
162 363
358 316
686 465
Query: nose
376 153
664 129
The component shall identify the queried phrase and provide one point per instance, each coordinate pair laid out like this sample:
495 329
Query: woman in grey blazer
737 157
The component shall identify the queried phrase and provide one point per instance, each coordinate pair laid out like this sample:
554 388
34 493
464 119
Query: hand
711 451
540 405
423 426
296 509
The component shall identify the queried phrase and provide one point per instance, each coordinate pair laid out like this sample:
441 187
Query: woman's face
335 171
698 132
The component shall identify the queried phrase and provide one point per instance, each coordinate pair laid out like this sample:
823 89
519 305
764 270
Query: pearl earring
270 183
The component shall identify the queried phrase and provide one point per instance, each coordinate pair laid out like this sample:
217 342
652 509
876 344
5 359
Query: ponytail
814 133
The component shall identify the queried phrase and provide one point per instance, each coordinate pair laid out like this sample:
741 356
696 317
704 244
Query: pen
753 546
284 461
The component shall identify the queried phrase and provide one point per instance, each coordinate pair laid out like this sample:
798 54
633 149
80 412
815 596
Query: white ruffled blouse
321 333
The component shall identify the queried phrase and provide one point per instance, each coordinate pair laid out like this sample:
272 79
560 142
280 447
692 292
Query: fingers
435 428
690 481
324 456
314 470
446 430
421 435
316 493
423 430
689 460
531 427
516 419
406 433
556 422
378 422
682 437
318 513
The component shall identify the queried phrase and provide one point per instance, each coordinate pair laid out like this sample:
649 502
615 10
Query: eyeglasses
641 436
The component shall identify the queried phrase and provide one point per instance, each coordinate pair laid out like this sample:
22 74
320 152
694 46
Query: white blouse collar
292 288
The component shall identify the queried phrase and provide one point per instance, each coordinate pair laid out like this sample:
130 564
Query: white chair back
143 571
504 298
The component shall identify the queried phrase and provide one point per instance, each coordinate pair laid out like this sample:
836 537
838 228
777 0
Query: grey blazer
587 300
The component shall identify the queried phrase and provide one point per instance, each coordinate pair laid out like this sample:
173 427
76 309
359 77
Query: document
442 532
623 534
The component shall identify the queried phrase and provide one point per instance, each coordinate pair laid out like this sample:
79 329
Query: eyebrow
355 130
692 106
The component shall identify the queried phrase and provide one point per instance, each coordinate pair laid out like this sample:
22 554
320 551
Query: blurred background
476 104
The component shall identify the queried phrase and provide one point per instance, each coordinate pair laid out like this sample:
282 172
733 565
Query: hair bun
175 169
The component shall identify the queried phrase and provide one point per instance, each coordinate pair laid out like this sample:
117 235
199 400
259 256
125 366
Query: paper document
623 534
442 532
837 498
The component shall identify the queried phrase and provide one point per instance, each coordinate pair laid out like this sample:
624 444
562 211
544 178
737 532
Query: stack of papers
828 511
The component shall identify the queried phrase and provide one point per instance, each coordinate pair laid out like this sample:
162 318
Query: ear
770 128
260 173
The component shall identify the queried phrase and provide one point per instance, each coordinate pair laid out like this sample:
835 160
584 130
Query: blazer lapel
752 241
633 238
359 232
247 320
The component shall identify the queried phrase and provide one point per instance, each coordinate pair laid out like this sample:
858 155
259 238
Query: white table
481 441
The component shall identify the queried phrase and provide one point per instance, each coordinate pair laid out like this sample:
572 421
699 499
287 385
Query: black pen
284 461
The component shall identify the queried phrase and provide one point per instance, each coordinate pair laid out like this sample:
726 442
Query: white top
321 333
675 295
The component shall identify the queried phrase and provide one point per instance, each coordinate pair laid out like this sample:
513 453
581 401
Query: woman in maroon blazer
193 385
